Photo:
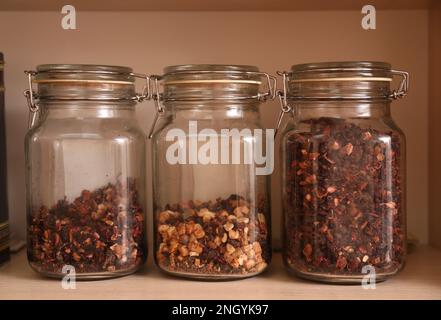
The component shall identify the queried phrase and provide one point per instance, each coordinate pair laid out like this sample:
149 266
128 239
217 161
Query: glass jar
211 199
85 166
4 225
344 182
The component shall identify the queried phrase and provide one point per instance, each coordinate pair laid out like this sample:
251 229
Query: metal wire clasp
284 105
271 85
146 93
157 97
31 96
404 85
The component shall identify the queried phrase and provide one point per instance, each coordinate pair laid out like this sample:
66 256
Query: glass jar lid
339 81
85 82
83 73
359 80
194 82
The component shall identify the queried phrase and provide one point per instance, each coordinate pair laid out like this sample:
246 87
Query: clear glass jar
344 181
212 210
85 166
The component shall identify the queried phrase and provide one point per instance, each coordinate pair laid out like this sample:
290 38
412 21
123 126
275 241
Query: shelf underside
204 5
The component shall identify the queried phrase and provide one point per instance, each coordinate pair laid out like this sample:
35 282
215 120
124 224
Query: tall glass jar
344 181
211 198
85 166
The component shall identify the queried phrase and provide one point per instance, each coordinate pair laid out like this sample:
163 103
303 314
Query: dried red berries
223 237
343 199
101 231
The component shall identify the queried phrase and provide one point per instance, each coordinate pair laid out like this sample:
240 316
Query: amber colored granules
223 237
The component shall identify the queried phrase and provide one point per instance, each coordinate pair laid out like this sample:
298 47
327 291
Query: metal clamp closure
31 96
157 97
284 105
404 85
146 90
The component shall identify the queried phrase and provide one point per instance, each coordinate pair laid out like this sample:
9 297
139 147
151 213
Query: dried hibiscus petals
343 199
222 237
100 231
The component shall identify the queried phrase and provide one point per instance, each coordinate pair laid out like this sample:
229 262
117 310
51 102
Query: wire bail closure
32 97
404 85
157 96
283 100
146 93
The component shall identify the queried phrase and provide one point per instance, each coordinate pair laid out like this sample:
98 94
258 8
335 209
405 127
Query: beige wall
273 41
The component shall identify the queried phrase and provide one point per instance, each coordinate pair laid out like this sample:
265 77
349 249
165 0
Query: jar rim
333 66
83 72
84 82
182 68
211 73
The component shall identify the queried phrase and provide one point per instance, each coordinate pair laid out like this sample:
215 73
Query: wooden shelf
204 5
421 279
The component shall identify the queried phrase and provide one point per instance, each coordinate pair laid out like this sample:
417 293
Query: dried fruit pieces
343 199
222 237
100 231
